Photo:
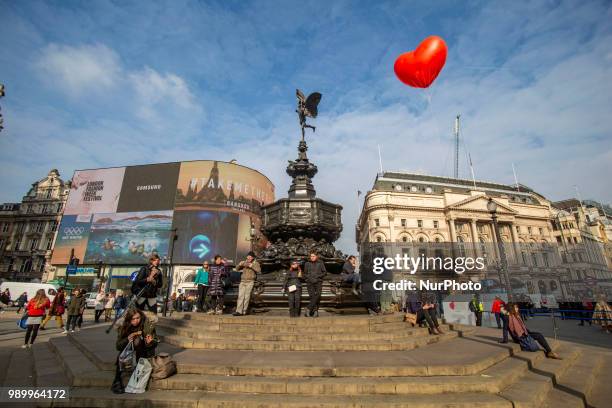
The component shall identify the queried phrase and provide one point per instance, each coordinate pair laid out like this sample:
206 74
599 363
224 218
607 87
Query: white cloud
76 70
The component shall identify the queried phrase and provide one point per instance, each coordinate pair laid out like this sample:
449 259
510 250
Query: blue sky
93 84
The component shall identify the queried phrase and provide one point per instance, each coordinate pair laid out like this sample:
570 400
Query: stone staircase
465 368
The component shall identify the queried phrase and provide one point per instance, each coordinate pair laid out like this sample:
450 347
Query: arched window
404 239
378 239
421 239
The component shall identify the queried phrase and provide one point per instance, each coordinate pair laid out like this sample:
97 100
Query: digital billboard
217 185
128 238
149 187
73 233
121 215
95 191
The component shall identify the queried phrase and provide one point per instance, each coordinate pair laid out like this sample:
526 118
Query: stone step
584 374
305 335
531 390
48 368
419 362
601 392
243 344
161 398
557 398
323 321
78 368
237 328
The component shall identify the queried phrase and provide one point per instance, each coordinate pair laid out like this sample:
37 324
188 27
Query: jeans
314 294
97 315
540 339
429 316
72 321
244 296
32 330
498 320
202 305
295 299
505 323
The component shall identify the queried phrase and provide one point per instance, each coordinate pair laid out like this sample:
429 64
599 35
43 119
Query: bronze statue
307 107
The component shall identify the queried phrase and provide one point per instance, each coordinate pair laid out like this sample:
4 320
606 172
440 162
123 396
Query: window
534 258
403 222
545 259
524 254
428 190
40 226
377 222
378 239
436 224
518 229
17 244
59 207
34 244
29 209
49 244
45 208
437 239
414 189
53 226
49 193
541 231
20 227
529 230
421 239
5 227
420 223
404 239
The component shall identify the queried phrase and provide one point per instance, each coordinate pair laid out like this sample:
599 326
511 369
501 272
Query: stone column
453 231
515 244
391 218
475 240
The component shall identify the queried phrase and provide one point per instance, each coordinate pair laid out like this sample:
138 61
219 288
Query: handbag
22 322
127 358
140 377
528 343
411 318
163 366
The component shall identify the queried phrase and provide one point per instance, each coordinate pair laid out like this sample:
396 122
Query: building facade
415 213
28 229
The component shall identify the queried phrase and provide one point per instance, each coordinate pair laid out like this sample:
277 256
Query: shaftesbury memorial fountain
301 223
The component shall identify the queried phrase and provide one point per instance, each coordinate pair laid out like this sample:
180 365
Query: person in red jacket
496 309
36 310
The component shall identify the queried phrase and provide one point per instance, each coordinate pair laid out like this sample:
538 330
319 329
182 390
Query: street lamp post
173 238
503 265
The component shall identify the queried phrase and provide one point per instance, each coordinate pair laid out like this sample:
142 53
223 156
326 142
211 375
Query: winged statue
307 107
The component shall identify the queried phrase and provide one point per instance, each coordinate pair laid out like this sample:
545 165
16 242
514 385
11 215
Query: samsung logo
149 187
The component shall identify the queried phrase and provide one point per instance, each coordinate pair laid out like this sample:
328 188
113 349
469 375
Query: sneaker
78 329
24 346
553 356
65 332
236 314
72 331
42 328
355 292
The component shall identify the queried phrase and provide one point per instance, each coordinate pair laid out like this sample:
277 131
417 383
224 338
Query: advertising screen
95 191
149 188
73 233
226 186
122 215
128 238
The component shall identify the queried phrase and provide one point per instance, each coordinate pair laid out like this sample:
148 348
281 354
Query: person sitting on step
518 329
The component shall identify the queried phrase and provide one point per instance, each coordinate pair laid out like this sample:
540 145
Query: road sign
71 269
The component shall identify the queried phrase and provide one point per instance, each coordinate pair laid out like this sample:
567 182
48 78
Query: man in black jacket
146 284
314 272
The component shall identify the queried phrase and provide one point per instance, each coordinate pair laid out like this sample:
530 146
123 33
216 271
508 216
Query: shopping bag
22 322
163 366
140 377
528 343
410 318
127 358
292 288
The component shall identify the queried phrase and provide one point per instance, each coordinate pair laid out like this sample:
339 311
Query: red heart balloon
419 68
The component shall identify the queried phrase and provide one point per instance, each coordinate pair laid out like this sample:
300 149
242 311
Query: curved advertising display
123 215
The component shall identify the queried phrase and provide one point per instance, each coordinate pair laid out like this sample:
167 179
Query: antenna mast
380 160
457 146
